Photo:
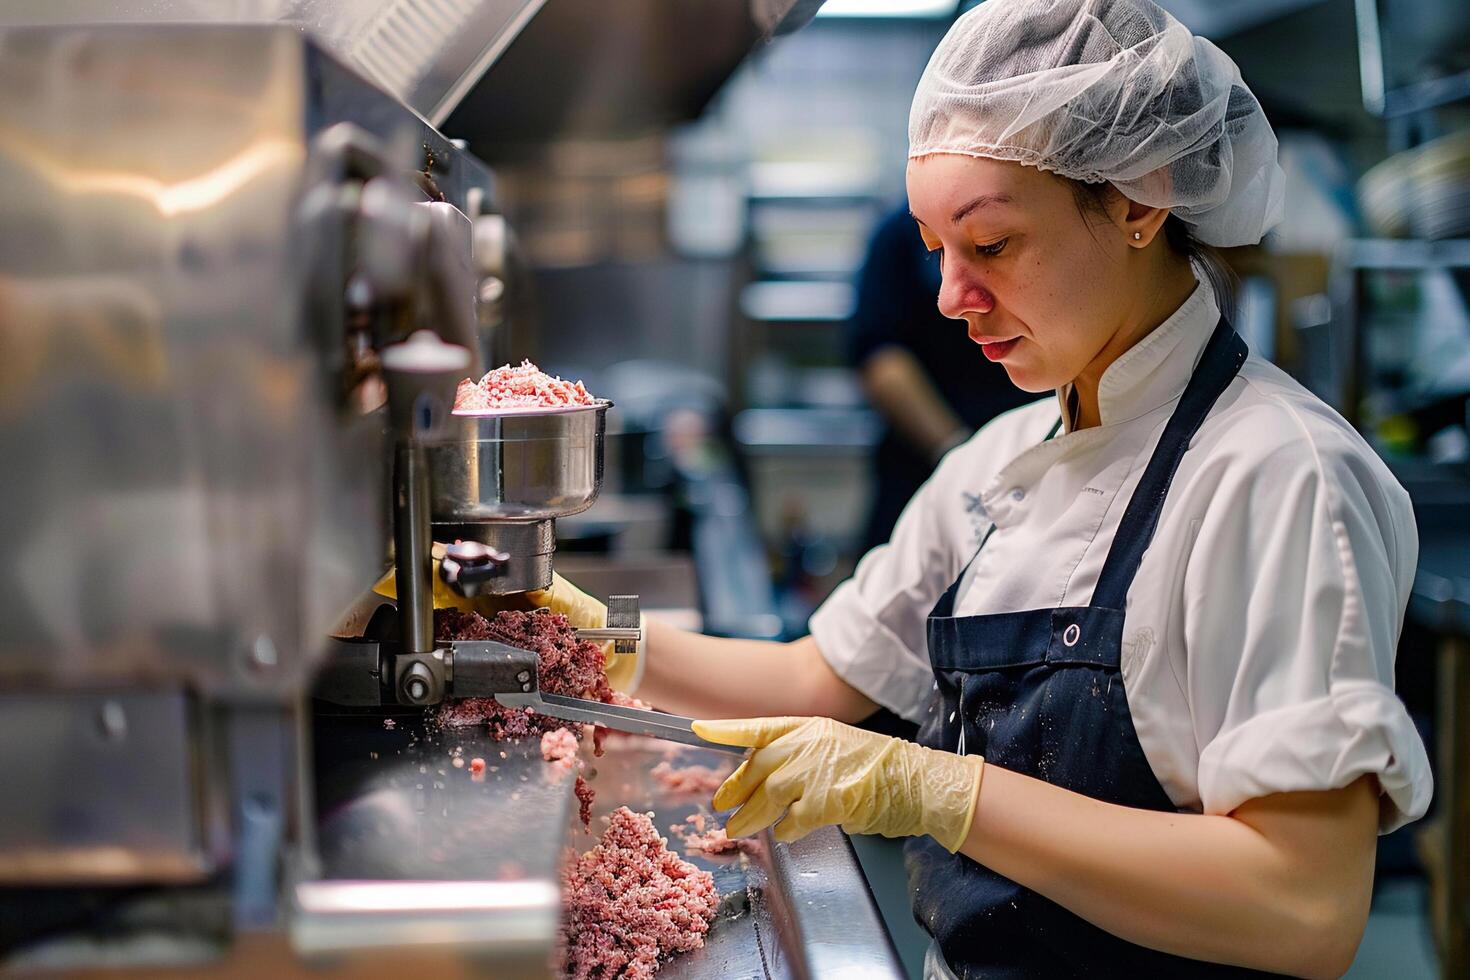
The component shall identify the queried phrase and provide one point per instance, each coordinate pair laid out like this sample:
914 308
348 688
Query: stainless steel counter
799 910
415 851
478 860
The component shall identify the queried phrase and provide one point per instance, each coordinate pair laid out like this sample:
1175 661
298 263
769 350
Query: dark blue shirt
897 296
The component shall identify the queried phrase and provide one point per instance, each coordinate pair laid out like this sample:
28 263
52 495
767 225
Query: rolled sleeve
1295 593
869 656
1358 729
872 629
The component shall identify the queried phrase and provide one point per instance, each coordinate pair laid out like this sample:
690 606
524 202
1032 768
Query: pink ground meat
560 748
630 903
689 779
586 796
526 386
715 841
698 839
565 665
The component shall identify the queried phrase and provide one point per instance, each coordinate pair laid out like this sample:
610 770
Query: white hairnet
1105 90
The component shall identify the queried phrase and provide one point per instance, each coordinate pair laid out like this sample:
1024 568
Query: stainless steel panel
416 850
518 467
427 53
134 749
624 68
183 498
397 812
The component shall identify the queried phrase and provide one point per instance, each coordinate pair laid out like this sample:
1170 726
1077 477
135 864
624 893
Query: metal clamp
624 625
485 668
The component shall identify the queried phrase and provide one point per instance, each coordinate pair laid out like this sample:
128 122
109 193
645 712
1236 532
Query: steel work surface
801 910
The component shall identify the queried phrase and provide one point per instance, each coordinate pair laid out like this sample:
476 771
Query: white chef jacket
1260 631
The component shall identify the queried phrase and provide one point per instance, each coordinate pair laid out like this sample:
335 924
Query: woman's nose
959 295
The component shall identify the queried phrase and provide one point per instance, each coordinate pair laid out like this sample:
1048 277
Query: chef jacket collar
1153 372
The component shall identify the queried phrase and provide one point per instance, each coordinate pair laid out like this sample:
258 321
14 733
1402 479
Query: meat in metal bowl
522 464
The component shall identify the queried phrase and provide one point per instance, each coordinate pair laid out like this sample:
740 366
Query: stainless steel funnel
502 478
511 466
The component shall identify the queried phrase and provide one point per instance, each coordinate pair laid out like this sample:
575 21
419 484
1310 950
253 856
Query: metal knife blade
634 721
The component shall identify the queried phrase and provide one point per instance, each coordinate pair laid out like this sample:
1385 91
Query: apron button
1071 635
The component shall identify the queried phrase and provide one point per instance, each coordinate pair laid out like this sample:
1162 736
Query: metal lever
603 635
634 721
622 613
624 625
484 668
467 566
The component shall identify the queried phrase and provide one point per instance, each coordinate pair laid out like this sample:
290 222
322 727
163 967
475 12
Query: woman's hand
581 610
820 772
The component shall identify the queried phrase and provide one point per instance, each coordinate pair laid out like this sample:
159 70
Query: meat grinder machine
222 249
239 286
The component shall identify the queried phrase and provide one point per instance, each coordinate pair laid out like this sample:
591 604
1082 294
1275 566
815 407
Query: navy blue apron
1040 692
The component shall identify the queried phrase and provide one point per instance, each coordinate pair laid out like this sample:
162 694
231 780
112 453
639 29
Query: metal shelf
797 301
1338 372
1404 253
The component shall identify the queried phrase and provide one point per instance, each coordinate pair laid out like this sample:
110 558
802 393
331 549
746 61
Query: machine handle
468 565
634 721
624 624
603 635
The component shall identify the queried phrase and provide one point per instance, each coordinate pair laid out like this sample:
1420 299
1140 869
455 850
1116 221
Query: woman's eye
993 249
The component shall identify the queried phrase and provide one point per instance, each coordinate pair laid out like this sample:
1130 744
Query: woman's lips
994 347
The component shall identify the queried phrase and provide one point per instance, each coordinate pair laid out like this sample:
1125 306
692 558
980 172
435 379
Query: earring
1138 236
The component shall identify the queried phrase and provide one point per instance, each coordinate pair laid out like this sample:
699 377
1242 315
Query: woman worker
1148 627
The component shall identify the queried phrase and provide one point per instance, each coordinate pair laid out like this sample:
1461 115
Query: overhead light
888 8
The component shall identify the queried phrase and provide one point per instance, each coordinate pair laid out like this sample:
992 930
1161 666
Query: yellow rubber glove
587 613
444 595
821 772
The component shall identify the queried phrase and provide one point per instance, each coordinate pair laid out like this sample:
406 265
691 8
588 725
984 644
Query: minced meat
630 904
565 665
700 839
689 779
559 748
586 796
526 386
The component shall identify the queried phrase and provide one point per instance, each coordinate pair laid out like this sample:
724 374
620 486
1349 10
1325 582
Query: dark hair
1092 202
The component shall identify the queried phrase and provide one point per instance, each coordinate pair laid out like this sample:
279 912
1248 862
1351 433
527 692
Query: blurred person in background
927 379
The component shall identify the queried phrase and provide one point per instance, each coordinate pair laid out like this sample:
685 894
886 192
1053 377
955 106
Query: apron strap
945 606
1218 366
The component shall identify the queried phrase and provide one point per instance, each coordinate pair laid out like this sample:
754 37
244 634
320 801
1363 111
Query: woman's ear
1140 223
